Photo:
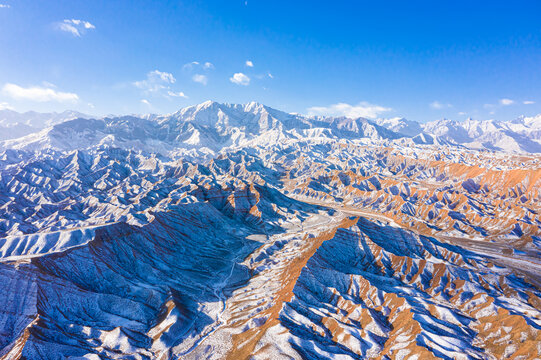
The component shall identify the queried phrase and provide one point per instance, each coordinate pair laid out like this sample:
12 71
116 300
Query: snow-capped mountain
210 126
228 231
401 126
519 135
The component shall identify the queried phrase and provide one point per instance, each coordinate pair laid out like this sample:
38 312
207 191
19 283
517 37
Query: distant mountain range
14 124
519 135
211 126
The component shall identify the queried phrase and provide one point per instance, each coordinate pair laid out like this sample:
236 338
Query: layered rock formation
322 242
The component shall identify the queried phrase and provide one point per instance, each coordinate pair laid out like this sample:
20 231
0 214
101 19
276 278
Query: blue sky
423 60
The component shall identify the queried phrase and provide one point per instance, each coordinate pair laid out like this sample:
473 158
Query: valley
241 232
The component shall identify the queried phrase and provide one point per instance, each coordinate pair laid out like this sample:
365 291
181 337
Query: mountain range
227 231
211 126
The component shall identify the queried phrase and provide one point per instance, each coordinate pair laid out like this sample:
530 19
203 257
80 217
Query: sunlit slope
300 247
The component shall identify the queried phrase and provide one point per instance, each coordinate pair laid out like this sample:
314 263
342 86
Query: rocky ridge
334 239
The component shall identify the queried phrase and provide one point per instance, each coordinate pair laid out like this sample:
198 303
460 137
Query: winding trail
219 293
219 290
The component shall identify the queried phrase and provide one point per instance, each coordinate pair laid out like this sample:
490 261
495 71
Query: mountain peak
253 105
207 104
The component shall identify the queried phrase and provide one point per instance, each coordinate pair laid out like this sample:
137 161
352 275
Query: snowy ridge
211 126
207 127
241 232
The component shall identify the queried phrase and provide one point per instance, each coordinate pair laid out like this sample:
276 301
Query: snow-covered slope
241 232
401 125
519 135
210 126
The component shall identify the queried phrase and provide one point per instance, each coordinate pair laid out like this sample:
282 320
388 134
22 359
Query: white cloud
528 102
240 79
190 66
146 102
156 81
200 78
362 109
502 102
163 76
461 113
198 70
75 27
196 65
5 6
39 94
438 105
249 63
5 106
176 94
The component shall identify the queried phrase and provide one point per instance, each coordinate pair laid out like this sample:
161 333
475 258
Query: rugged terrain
242 232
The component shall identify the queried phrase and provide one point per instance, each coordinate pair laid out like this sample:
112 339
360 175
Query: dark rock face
113 290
